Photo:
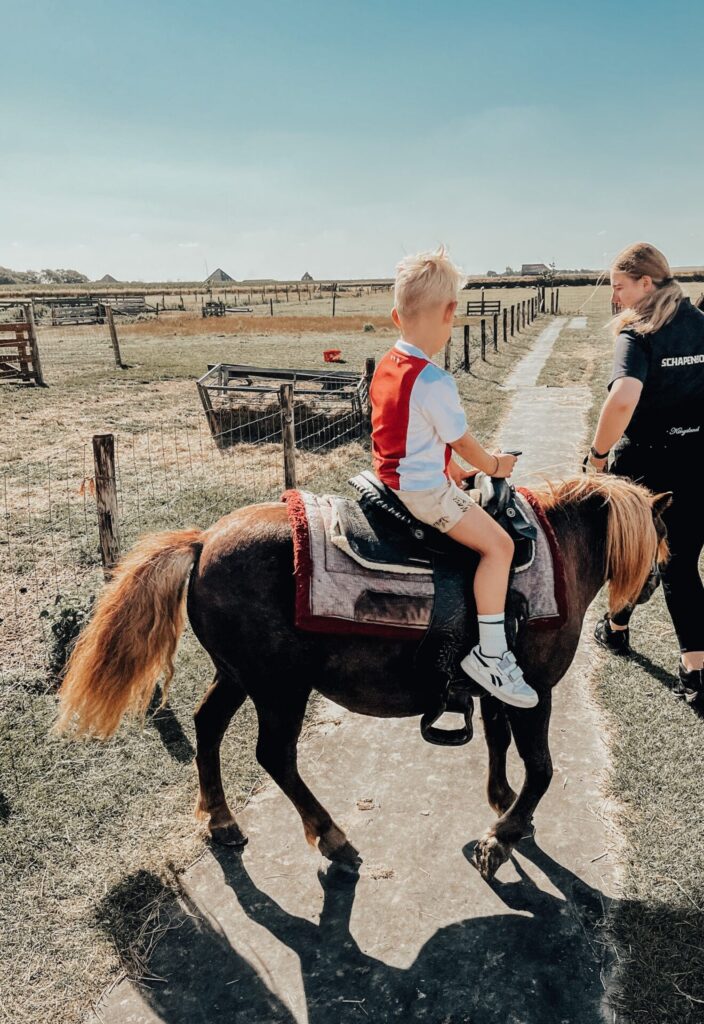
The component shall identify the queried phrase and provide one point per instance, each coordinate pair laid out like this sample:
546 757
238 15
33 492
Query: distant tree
491 273
509 271
7 276
72 277
28 277
62 277
548 276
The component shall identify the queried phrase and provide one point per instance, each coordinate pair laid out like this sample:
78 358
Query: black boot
614 640
690 683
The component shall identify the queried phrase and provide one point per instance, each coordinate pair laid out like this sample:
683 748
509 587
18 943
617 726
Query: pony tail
131 638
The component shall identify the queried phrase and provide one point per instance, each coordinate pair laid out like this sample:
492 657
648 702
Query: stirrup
457 697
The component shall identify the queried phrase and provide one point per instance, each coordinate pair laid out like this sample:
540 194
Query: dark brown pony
240 603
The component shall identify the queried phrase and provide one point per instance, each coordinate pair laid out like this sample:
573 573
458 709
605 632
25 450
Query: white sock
492 635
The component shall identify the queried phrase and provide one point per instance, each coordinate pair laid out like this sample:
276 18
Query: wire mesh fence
69 350
170 475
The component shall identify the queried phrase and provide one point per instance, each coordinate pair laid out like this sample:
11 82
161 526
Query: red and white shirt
416 411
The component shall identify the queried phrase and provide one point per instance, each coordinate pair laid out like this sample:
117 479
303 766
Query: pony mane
632 543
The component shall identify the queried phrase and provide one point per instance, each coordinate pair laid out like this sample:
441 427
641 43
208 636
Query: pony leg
530 731
498 738
279 729
212 718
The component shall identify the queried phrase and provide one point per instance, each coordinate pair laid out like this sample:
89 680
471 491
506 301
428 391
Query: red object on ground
332 355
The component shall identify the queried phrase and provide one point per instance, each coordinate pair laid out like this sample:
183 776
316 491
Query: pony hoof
346 857
335 845
489 854
228 835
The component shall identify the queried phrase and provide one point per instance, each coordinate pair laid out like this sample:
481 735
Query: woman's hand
598 465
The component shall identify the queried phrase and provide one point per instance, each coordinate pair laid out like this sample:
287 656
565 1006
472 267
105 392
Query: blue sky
150 140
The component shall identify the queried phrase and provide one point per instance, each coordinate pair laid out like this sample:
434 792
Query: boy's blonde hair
424 280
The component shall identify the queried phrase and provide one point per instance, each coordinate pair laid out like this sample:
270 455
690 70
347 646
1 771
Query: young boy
417 423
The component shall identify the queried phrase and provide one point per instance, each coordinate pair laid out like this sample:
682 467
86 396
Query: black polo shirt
670 363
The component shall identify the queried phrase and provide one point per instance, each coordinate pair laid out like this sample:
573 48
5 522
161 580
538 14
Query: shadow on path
540 962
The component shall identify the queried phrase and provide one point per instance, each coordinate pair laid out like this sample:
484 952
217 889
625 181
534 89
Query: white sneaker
502 677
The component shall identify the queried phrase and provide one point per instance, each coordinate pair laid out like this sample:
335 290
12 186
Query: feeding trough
248 404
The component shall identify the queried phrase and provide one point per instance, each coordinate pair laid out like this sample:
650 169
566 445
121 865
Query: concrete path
273 935
547 424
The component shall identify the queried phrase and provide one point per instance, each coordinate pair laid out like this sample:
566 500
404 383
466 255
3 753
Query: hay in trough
317 425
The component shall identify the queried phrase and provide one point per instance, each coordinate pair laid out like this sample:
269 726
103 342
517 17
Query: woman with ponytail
653 419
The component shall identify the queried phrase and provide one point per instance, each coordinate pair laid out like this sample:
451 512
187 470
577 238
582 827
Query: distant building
306 277
491 273
533 269
107 279
218 277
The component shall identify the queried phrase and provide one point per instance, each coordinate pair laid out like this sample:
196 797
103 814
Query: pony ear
660 502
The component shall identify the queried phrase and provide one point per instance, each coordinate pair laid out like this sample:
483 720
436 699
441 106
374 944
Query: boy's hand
506 464
458 473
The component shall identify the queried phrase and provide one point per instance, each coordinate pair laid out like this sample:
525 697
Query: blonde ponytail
658 307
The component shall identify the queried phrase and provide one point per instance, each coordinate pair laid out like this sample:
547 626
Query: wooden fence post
334 298
523 314
503 325
288 435
483 339
557 300
495 328
106 500
113 338
34 344
512 321
271 306
466 348
552 301
369 368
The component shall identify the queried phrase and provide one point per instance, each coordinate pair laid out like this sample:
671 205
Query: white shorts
440 507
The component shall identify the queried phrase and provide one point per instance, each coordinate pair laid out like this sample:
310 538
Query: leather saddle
383 533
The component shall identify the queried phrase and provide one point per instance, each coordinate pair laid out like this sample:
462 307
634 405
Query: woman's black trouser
676 469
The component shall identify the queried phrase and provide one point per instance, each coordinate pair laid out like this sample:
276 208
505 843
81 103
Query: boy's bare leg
490 663
478 531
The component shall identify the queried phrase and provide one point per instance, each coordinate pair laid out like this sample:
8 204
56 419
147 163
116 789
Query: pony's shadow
164 720
542 961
